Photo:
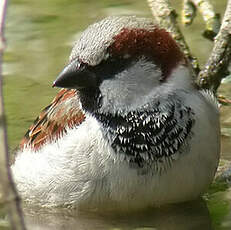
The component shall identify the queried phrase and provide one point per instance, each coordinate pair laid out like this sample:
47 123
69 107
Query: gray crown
92 46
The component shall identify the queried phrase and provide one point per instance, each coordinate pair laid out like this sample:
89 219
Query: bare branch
2 22
212 20
165 16
223 100
188 12
7 188
216 67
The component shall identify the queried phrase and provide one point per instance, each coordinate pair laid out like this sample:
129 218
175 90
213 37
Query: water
39 36
177 217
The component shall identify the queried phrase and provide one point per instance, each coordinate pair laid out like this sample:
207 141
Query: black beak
76 76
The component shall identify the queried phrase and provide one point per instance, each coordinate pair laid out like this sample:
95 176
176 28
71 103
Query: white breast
81 169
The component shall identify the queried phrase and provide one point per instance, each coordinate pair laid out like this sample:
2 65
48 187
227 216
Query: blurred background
39 37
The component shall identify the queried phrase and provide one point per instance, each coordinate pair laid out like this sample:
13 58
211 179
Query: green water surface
39 37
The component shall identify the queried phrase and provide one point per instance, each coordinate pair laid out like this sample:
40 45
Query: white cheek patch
131 87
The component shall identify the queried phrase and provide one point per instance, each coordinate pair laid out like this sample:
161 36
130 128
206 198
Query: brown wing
63 112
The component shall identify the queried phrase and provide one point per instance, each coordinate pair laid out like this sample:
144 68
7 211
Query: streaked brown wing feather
63 112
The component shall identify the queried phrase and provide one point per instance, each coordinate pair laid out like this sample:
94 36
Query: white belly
82 170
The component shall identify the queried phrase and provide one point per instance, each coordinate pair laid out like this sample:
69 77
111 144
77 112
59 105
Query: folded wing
64 112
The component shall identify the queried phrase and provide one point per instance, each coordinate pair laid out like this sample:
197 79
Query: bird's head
118 62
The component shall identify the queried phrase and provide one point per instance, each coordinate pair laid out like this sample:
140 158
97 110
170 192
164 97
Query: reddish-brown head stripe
156 44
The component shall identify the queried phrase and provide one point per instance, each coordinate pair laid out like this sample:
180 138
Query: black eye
110 67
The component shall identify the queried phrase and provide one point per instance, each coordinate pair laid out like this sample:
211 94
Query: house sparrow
129 131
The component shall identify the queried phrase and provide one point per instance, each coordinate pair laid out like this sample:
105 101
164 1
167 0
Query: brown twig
216 67
165 16
217 64
188 12
7 187
212 20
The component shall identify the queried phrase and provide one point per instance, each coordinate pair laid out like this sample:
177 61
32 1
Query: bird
128 130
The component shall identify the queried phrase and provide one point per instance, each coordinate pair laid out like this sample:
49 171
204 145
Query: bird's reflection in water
192 215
